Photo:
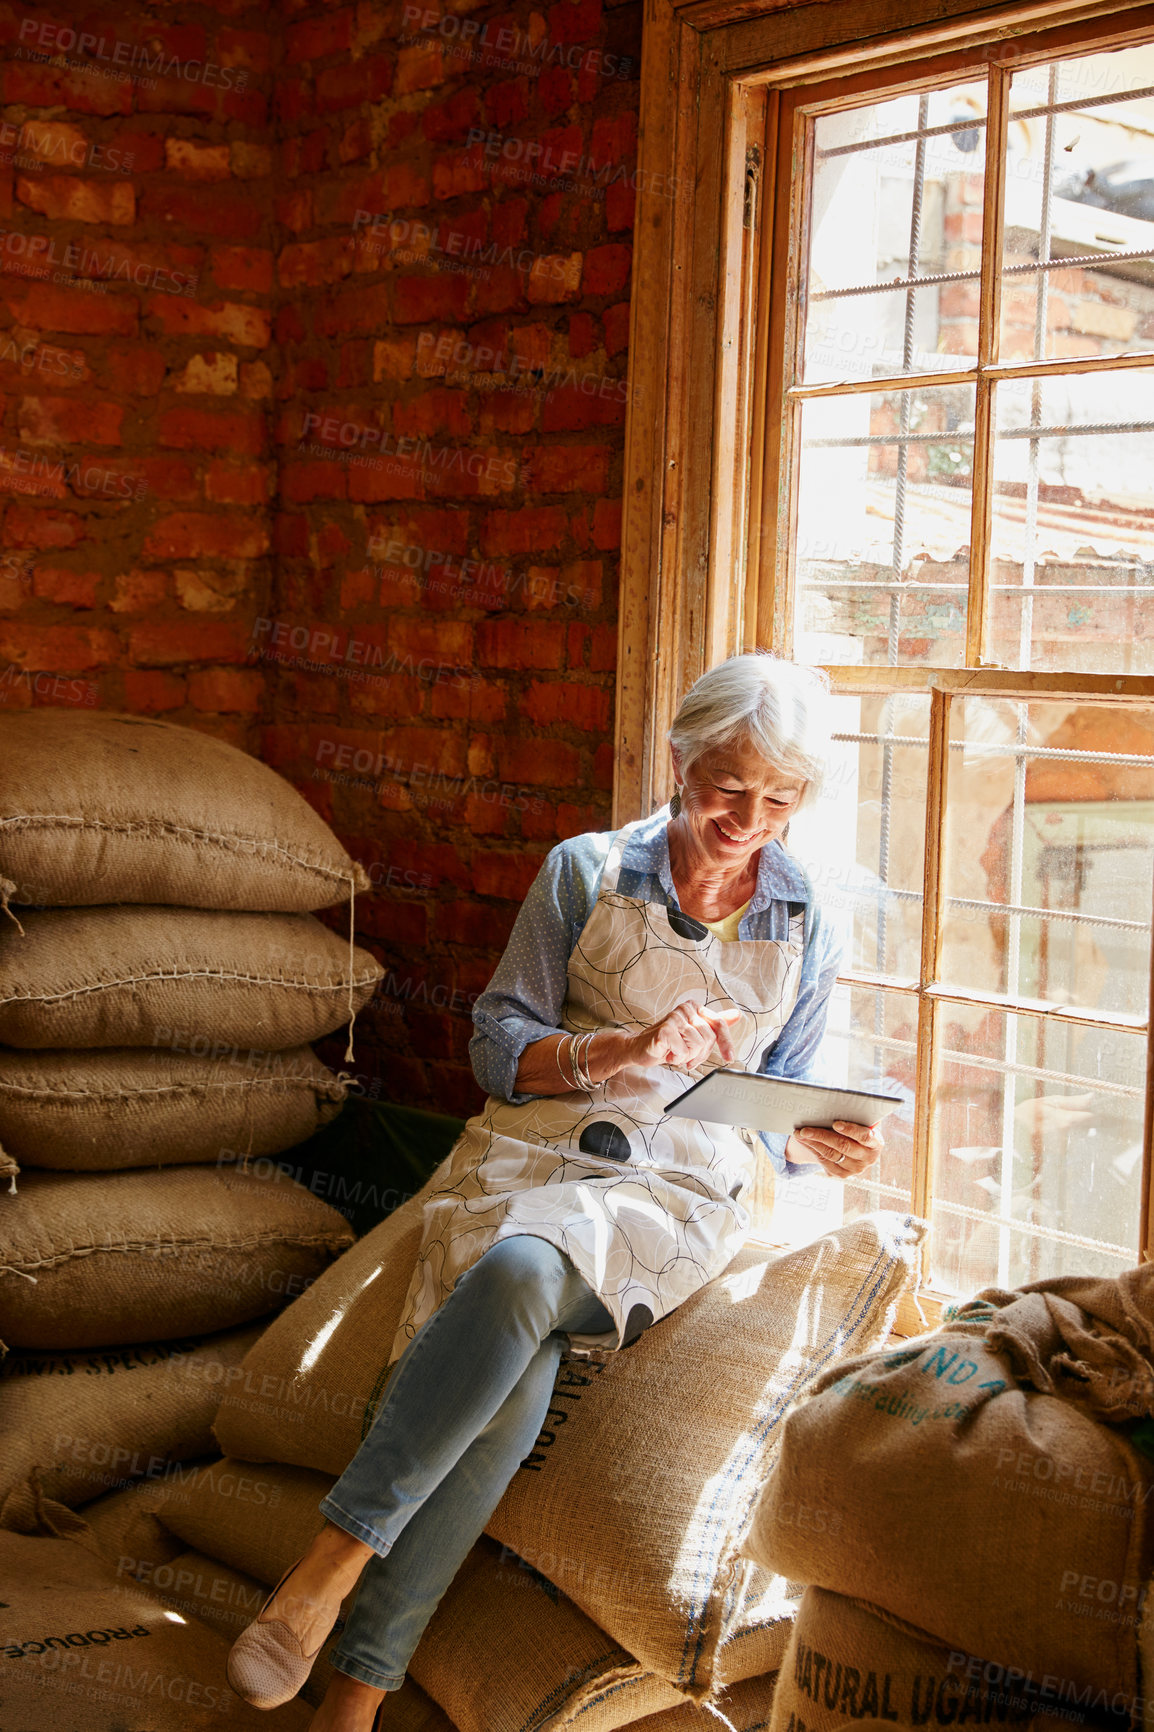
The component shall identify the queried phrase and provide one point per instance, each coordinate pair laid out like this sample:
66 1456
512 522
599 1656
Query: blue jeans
462 1409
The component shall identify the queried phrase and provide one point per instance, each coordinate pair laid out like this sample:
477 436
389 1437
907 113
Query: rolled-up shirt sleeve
794 1052
523 1001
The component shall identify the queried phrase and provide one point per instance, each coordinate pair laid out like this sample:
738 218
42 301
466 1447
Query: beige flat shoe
266 1664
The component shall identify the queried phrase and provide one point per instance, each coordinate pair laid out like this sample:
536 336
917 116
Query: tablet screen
756 1102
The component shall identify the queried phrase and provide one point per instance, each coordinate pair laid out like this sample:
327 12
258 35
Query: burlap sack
746 1709
927 1481
83 1651
410 1710
1087 1338
106 808
84 977
126 1527
848 1664
201 1587
503 1650
252 1524
757 1622
26 1510
313 1411
150 1256
635 1499
256 1519
87 1422
227 1600
122 1528
129 1107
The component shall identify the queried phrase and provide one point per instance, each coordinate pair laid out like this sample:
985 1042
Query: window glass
1049 854
1078 246
1072 568
863 844
897 191
1037 1150
872 1038
883 527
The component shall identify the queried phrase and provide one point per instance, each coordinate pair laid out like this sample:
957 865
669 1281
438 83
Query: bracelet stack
576 1050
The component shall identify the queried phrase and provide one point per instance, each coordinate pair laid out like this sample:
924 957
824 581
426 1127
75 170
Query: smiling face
734 802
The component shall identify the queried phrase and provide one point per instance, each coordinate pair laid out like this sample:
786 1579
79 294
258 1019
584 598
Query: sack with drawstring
947 1434
102 1110
162 977
114 808
143 1256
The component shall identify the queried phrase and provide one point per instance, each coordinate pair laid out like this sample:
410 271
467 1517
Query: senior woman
573 1205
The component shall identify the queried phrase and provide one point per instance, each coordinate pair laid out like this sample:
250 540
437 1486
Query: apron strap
612 868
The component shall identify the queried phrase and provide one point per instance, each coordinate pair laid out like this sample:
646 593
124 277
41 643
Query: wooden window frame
702 567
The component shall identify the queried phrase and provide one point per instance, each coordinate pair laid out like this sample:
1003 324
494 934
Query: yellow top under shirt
726 927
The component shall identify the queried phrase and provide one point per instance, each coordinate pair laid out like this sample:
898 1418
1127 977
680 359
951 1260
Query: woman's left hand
842 1152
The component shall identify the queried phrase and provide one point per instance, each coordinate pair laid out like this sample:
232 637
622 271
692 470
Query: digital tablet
757 1102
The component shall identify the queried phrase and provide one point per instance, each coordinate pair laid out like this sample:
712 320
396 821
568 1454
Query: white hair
778 708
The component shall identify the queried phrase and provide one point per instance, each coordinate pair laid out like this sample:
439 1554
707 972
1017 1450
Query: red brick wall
136 261
313 426
450 424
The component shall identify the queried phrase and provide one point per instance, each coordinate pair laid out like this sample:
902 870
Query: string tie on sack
7 889
349 1055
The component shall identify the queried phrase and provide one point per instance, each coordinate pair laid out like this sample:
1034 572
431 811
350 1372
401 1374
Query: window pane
897 193
1080 186
883 528
1073 523
1037 1150
863 844
1049 853
871 1038
1048 863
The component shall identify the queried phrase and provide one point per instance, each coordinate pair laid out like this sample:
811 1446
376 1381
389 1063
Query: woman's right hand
681 1039
684 1037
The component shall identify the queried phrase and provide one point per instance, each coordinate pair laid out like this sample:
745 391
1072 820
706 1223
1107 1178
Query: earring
675 803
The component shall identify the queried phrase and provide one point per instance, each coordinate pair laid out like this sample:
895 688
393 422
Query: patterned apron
646 1206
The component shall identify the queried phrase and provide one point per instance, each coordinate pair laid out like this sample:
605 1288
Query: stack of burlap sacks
161 977
609 1590
971 1518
